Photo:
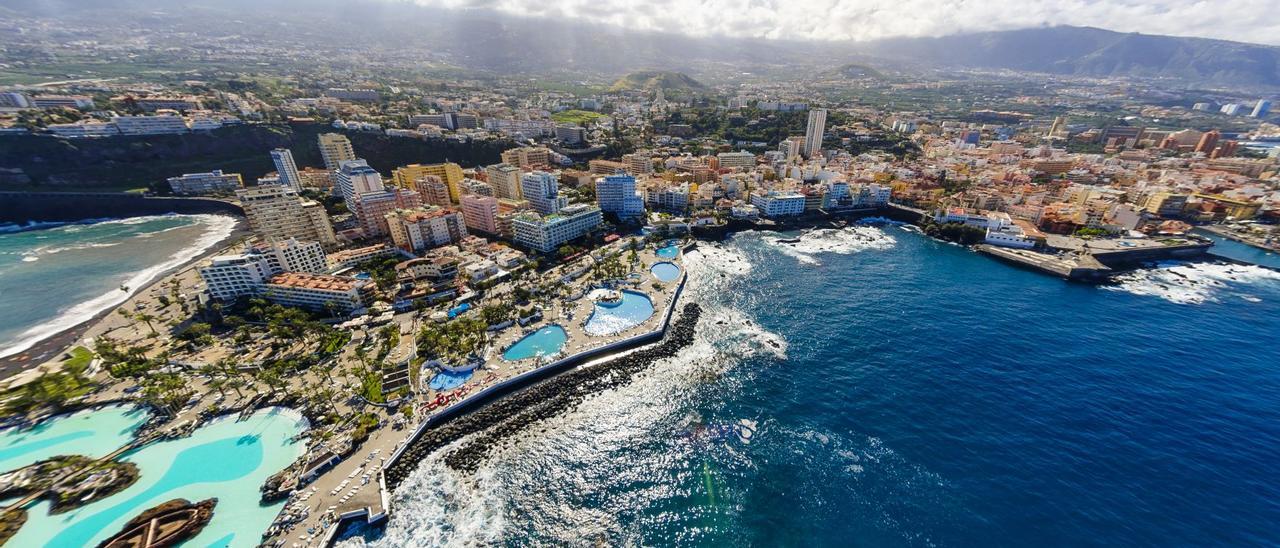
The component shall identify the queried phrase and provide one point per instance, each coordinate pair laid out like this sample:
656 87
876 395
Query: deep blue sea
907 392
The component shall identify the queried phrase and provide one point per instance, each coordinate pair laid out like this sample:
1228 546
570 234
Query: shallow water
92 433
58 275
226 459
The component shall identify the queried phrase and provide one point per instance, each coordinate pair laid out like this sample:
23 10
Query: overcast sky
1241 20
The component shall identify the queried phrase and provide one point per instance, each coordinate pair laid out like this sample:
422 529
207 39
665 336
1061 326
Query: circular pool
665 271
629 311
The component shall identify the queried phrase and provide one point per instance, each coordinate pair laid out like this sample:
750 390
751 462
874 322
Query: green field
579 117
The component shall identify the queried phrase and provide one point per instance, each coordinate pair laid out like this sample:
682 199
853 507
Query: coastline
45 349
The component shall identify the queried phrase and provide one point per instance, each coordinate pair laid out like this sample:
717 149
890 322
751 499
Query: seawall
26 207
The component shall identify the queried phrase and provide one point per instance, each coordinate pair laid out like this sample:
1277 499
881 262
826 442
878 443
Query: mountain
488 40
650 80
1086 51
859 72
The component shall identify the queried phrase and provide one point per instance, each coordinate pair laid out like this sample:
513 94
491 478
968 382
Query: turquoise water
545 341
92 433
1232 249
666 272
669 252
455 311
226 459
55 277
448 380
610 318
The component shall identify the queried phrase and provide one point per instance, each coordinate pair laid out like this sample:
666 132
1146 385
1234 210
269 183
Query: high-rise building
790 147
433 190
480 213
542 190
355 177
639 163
449 172
335 148
546 233
741 159
277 213
1059 128
286 168
371 208
1208 142
1261 108
617 194
505 180
814 132
416 230
527 157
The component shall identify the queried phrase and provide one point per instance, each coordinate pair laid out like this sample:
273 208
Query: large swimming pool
227 459
448 380
92 433
665 271
669 252
543 342
610 318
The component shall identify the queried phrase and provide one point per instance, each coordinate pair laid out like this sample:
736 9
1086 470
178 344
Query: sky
1239 20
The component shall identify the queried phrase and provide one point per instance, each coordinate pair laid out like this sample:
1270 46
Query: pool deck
334 502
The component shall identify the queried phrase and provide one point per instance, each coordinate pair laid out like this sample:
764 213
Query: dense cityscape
378 259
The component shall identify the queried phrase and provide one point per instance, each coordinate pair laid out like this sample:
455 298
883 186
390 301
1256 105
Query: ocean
56 275
871 386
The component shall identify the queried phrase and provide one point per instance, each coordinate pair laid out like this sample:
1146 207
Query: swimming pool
665 271
448 380
226 458
92 433
543 342
610 318
671 251
453 312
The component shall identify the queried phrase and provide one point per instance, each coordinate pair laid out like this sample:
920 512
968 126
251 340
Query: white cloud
1241 20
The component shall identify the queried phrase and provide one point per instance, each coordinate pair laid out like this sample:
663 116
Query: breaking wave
1194 283
841 241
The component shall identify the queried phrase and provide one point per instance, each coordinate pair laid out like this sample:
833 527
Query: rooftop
316 281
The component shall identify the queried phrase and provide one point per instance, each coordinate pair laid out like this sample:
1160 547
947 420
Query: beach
44 343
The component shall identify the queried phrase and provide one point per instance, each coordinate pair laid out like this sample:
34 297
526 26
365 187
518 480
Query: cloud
1241 20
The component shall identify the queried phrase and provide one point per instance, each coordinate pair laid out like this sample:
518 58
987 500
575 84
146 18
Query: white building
813 133
354 178
421 229
319 291
545 234
286 168
739 160
617 194
151 125
200 184
83 129
775 204
542 190
277 213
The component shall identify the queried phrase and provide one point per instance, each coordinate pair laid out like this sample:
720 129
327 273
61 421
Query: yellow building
1236 209
449 172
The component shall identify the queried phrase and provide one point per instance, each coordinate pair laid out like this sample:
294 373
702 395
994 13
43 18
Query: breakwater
40 207
511 414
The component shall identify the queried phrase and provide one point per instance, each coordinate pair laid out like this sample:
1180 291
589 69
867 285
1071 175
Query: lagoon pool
543 342
226 459
610 318
669 252
92 433
665 271
448 380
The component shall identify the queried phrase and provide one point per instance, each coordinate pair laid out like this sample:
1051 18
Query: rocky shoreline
508 416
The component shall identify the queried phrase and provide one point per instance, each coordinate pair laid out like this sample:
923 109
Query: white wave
218 228
30 258
1193 283
718 259
76 247
841 241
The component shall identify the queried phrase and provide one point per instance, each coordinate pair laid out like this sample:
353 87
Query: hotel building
417 230
277 213
617 194
542 190
480 213
545 234
203 184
